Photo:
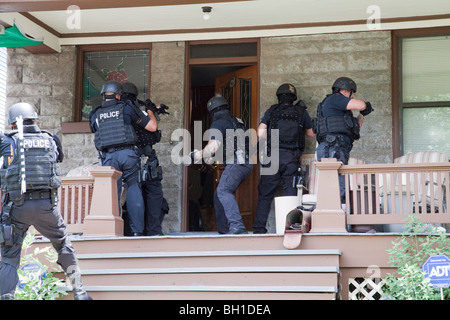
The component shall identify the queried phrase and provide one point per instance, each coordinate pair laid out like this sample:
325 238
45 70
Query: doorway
237 82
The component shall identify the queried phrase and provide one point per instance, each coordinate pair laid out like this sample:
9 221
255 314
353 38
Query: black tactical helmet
216 102
287 88
23 109
112 86
130 88
344 83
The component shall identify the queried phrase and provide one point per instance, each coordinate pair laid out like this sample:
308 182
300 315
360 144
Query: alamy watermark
236 141
73 21
374 20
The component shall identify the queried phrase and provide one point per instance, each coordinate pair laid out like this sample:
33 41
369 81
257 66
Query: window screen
426 94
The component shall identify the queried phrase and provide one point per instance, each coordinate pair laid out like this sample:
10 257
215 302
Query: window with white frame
425 93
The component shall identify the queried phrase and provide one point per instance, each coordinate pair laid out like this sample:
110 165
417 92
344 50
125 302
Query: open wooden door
239 88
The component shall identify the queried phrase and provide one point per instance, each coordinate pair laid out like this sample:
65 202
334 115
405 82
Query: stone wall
310 62
45 80
48 82
167 86
313 62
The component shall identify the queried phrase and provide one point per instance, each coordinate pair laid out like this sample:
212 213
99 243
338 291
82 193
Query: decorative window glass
122 66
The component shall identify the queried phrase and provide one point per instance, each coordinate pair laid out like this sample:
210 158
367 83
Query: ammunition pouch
6 235
6 228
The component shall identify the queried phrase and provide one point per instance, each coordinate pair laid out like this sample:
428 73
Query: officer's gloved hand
367 110
193 157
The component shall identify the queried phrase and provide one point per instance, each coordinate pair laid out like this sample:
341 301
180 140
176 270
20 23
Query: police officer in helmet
336 128
237 166
30 198
293 124
151 171
115 139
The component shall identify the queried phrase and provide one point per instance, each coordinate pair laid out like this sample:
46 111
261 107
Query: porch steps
213 274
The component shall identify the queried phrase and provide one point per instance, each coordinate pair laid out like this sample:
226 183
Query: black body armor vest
144 138
41 169
347 125
112 130
288 121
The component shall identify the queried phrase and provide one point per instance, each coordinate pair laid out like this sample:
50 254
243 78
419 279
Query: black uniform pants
47 220
128 162
268 184
153 196
338 147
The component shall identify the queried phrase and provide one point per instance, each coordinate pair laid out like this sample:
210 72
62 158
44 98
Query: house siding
310 62
313 62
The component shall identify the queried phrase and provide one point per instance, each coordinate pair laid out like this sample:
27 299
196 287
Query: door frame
251 60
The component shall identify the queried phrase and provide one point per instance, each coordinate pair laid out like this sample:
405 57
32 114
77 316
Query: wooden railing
88 204
375 194
75 197
387 193
380 194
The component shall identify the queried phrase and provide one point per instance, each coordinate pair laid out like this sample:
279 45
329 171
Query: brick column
328 215
103 218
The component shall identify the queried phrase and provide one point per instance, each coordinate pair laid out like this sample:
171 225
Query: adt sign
437 268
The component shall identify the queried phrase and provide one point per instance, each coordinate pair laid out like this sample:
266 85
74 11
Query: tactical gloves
367 110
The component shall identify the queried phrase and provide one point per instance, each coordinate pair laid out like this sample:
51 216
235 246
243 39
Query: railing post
328 215
103 218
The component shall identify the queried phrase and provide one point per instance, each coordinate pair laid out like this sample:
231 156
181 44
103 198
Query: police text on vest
36 143
111 114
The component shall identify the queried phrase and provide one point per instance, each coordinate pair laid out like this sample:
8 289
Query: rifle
19 123
156 111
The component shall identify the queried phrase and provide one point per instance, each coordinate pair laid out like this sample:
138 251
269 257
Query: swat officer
151 171
293 124
29 180
236 160
336 128
115 139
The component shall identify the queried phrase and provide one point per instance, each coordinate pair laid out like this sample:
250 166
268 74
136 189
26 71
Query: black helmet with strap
113 87
344 83
23 109
287 88
216 102
130 89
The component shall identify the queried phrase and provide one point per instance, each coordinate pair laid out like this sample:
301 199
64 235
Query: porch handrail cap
105 171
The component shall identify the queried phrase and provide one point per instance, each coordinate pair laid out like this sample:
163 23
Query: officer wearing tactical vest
237 167
151 171
336 128
29 180
293 124
115 139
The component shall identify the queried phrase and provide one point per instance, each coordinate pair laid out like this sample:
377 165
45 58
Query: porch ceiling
118 21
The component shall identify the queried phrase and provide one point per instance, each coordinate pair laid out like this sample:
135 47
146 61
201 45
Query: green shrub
408 254
35 287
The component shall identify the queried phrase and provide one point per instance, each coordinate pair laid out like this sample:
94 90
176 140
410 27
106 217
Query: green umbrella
13 38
